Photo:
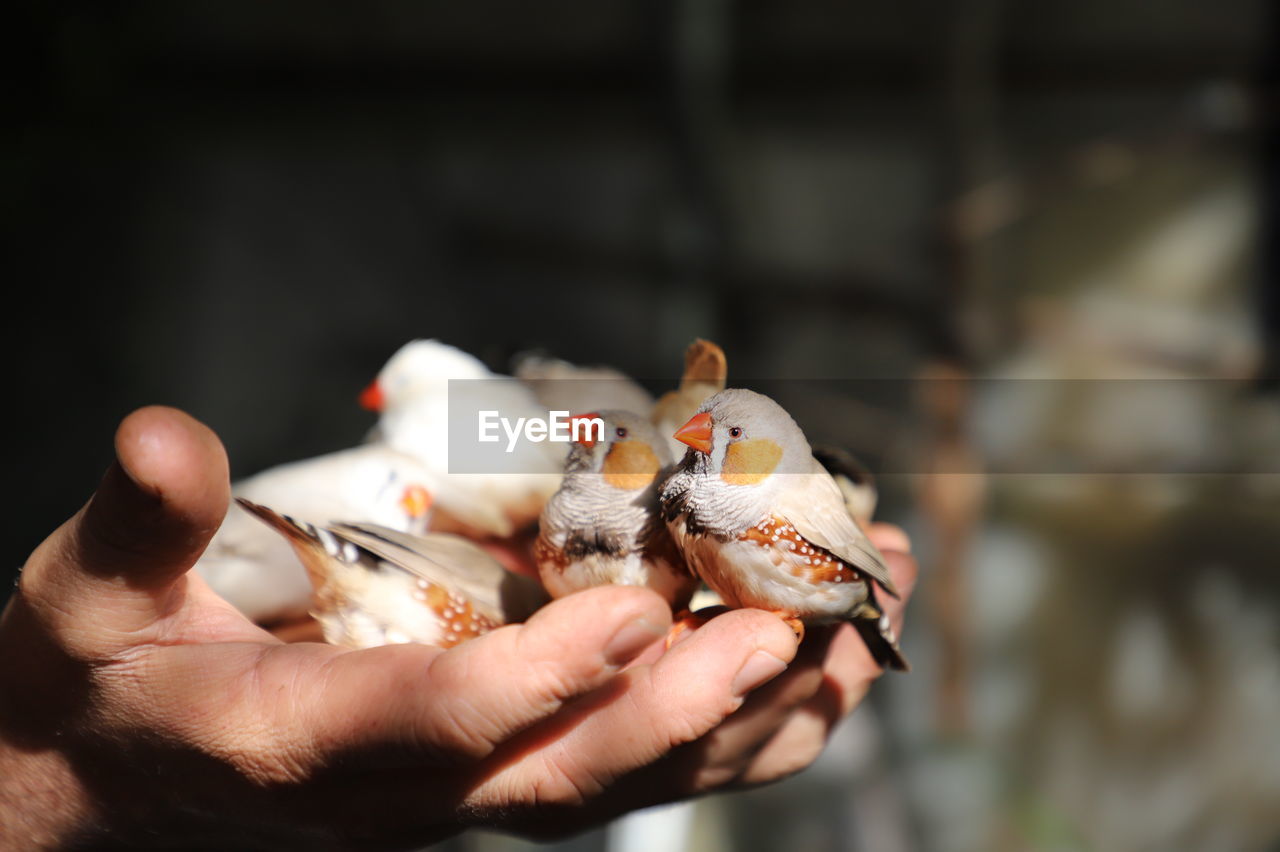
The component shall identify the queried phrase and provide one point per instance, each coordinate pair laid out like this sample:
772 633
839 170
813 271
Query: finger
888 537
793 747
724 754
113 563
904 570
465 702
644 713
848 671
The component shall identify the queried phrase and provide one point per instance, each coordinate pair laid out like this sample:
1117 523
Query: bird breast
769 567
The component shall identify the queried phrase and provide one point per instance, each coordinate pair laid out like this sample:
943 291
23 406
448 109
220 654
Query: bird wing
453 562
857 485
816 509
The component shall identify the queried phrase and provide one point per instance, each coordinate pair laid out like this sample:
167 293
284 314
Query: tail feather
309 542
872 624
882 644
283 524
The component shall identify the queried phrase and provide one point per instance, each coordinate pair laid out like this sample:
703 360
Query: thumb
115 563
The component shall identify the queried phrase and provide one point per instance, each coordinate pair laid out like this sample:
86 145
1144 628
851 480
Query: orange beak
584 433
416 501
371 398
696 433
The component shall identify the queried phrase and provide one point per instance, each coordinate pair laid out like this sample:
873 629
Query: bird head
418 369
744 438
628 452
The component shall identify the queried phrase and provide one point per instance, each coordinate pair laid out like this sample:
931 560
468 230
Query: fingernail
628 642
760 668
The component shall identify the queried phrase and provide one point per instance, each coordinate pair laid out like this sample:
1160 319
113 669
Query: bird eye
621 432
735 432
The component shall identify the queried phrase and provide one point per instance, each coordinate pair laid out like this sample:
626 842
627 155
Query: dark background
243 209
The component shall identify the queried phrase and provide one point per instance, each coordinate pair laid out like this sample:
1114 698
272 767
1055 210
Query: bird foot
684 622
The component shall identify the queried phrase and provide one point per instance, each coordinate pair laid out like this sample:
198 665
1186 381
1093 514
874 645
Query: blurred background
1021 257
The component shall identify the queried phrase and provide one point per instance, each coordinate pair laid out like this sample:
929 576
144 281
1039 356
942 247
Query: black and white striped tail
311 543
302 531
873 626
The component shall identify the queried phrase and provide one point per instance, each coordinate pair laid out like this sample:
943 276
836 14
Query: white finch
412 395
603 526
253 568
376 586
765 526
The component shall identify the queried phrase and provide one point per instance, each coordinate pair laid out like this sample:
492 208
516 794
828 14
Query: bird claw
684 622
796 625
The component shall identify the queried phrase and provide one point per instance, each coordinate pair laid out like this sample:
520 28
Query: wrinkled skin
136 707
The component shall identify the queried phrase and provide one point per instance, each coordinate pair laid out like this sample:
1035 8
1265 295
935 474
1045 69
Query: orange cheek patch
630 465
749 462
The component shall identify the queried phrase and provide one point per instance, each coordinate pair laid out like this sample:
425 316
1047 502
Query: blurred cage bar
242 209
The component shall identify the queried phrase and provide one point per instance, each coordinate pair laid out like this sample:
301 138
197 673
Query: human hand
782 727
138 707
